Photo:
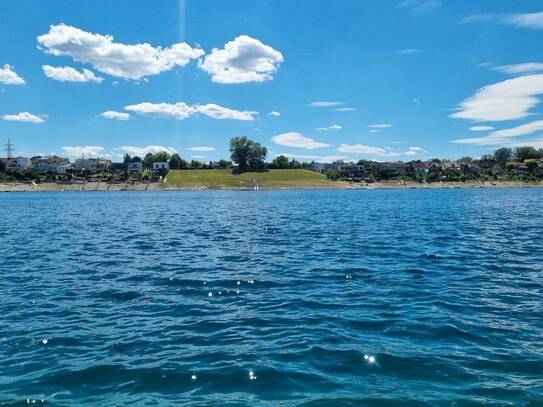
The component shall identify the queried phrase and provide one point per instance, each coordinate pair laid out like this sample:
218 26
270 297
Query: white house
92 164
55 164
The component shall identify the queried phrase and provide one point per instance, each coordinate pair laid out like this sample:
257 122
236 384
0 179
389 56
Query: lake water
174 298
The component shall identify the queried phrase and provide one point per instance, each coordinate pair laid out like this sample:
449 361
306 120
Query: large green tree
248 154
502 155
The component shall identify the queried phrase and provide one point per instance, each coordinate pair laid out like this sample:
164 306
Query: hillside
267 179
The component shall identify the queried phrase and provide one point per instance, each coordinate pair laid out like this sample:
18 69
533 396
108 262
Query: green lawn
226 179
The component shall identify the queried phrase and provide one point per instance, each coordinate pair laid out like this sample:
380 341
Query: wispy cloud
346 109
274 113
326 104
362 149
504 136
141 151
409 51
524 68
522 20
380 126
332 127
297 140
420 6
316 158
481 128
201 149
507 100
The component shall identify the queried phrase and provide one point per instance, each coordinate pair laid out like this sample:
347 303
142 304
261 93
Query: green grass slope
227 179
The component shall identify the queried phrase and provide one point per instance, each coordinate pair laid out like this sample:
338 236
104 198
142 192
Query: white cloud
242 60
504 136
201 149
346 109
332 127
361 149
326 104
413 150
178 111
126 61
481 128
222 113
297 140
198 156
182 111
380 126
507 100
142 151
375 131
476 18
529 20
110 114
69 74
23 117
525 68
409 51
77 151
274 113
420 6
9 77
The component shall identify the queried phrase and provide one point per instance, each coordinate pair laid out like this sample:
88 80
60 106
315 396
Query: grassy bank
228 179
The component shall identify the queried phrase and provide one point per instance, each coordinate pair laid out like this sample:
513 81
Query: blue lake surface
173 298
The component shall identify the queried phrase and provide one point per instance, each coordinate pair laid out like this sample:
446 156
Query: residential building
135 167
161 166
57 165
92 164
395 168
18 163
421 168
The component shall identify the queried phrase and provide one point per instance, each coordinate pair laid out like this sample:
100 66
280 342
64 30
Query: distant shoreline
142 187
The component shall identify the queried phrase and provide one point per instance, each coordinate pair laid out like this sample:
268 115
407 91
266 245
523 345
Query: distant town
519 164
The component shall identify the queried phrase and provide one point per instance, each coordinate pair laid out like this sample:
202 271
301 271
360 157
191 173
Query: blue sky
386 80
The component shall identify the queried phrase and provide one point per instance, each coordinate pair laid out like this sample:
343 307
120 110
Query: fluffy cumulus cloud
23 117
504 136
242 60
128 61
113 115
361 149
222 113
201 149
178 111
182 111
69 74
297 140
89 151
9 77
142 151
508 100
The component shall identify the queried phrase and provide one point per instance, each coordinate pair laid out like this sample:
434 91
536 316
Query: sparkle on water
430 297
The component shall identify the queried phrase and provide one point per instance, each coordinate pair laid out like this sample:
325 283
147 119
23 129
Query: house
395 168
92 164
421 168
161 166
119 167
57 165
17 163
320 167
135 167
348 169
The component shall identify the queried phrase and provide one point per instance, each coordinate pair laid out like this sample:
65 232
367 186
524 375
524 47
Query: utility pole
8 148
